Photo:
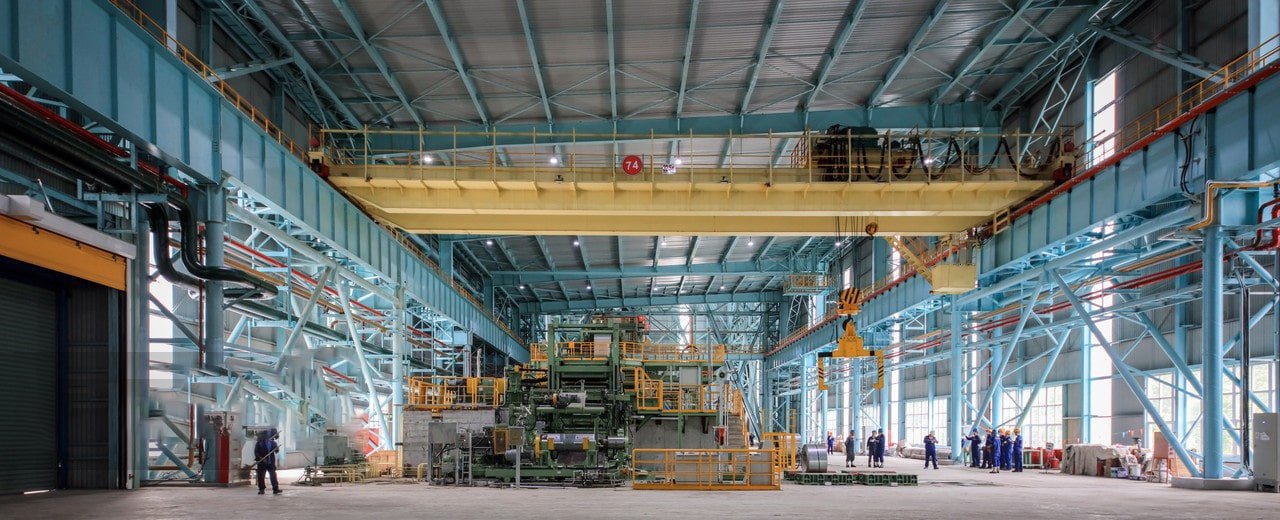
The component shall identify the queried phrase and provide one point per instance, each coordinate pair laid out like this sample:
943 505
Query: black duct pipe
158 220
159 217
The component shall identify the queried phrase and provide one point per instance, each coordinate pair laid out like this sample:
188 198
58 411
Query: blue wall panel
46 56
1232 137
134 104
171 108
92 61
201 125
1266 136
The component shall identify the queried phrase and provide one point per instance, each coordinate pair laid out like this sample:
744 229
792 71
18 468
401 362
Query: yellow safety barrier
672 353
654 395
785 444
583 350
706 470
454 393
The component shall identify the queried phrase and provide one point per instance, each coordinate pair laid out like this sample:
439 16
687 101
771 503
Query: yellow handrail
192 61
449 392
736 469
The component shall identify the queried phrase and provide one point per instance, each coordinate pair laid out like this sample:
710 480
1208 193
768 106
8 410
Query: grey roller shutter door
28 387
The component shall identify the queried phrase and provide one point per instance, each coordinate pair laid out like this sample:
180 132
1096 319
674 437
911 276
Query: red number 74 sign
632 165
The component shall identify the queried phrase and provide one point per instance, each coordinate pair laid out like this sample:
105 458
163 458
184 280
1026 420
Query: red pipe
85 135
338 374
329 290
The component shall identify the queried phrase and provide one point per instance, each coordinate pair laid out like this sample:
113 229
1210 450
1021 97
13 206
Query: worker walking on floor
850 448
831 443
1017 450
930 450
975 448
264 452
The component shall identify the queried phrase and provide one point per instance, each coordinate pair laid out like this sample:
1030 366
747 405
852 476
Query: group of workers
875 448
1002 450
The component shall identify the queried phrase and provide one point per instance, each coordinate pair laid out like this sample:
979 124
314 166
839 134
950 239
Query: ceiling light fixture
554 160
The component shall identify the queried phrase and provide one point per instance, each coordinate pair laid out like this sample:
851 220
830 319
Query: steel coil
813 458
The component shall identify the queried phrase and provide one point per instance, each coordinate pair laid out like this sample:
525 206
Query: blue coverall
1017 452
264 452
975 449
930 451
993 449
880 449
1006 448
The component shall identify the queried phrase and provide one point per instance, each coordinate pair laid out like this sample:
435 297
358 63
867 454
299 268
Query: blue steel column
955 400
139 366
1086 389
1211 328
997 387
214 202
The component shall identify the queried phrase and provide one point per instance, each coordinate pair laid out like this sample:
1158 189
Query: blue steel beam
531 43
1078 24
688 55
987 43
553 307
967 115
847 24
1141 393
458 62
762 51
613 63
257 12
357 29
909 53
243 69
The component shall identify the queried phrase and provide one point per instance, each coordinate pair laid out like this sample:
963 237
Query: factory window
1100 367
917 421
1044 423
1010 407
1161 393
847 281
1104 117
940 417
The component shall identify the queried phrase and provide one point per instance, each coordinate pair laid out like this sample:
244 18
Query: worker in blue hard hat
990 450
264 453
975 448
930 450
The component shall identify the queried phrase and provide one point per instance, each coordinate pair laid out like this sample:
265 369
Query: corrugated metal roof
649 37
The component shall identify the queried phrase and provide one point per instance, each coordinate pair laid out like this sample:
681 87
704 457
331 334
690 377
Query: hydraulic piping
1211 201
158 215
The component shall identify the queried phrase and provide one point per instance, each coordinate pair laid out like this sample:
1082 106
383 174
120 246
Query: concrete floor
950 492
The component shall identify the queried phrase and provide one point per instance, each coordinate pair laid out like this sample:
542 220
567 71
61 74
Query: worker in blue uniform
850 450
997 453
1017 450
1006 449
975 448
880 445
871 449
831 443
930 450
989 450
264 453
